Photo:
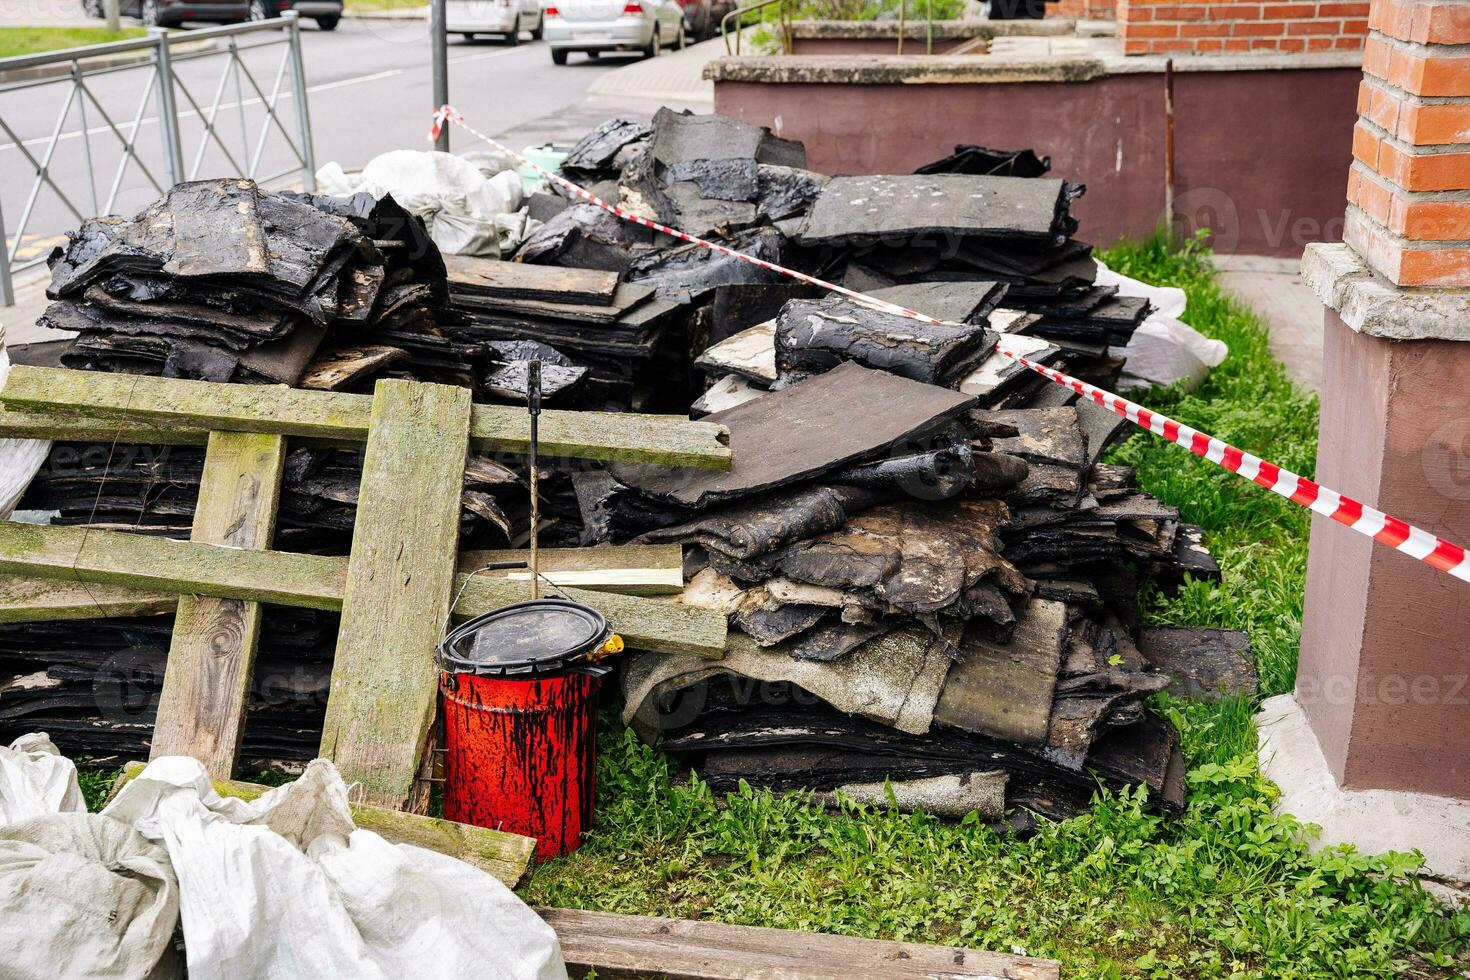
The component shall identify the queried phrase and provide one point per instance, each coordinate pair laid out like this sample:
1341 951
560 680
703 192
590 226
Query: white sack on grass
86 898
81 896
459 204
1164 324
285 886
36 781
20 459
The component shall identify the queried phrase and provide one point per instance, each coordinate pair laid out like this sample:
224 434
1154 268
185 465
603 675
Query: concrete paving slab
1293 314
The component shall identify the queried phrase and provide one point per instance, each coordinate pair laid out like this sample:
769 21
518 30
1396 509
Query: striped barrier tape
1383 528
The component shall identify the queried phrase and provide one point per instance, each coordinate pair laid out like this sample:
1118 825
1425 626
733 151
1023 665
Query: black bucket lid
543 636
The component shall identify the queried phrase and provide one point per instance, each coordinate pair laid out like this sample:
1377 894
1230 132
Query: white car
595 26
505 17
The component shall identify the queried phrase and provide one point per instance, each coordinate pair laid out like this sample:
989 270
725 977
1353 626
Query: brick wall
1409 188
1176 26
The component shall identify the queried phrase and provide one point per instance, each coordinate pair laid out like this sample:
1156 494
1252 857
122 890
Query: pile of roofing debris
930 575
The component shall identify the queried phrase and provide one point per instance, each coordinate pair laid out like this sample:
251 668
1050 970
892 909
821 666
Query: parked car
595 26
326 13
697 18
718 11
171 13
504 17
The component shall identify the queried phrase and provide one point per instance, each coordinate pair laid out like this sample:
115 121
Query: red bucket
520 721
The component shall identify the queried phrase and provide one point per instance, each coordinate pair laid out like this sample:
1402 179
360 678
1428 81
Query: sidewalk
1292 312
673 76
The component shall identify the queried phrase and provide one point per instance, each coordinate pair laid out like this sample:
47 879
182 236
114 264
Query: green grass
34 40
1228 890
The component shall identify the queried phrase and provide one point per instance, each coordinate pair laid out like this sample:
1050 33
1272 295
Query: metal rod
439 45
7 287
1169 149
533 403
903 22
303 114
168 113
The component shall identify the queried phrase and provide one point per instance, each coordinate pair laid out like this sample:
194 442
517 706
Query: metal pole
533 402
1169 149
903 22
298 92
439 45
7 288
168 113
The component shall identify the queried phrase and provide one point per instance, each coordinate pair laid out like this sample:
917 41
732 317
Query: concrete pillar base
1374 820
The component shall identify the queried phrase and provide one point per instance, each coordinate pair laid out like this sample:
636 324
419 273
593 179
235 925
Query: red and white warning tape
1383 528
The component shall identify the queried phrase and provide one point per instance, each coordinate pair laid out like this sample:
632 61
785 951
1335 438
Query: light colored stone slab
1373 820
1370 304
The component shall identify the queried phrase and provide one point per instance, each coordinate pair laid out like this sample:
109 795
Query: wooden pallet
395 588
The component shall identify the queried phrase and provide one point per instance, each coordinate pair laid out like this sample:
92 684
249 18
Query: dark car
172 13
697 18
326 13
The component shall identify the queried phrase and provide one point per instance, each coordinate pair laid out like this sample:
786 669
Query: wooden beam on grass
93 398
506 856
634 947
206 680
76 555
400 579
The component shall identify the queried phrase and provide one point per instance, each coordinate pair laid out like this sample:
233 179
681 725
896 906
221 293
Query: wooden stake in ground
201 711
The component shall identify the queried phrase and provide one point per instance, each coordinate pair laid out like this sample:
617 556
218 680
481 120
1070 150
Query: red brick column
1409 190
1237 26
1384 674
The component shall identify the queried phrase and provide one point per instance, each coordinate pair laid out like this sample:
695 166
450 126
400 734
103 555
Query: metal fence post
439 49
168 113
298 91
7 288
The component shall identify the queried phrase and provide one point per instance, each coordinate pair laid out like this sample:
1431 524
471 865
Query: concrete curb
96 64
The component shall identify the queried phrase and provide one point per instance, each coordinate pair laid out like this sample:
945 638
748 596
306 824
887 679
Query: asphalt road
369 91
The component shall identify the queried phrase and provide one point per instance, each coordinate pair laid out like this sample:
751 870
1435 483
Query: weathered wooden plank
628 946
631 569
336 369
506 856
116 558
84 427
493 277
336 416
399 579
178 567
25 599
206 680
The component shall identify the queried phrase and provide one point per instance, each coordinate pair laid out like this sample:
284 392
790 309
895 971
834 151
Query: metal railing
737 15
160 55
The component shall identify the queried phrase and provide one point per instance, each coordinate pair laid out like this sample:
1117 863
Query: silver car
504 17
595 26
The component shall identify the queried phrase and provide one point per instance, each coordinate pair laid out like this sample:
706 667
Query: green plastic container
548 155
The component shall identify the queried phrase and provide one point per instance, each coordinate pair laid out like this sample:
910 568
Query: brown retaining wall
1262 156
